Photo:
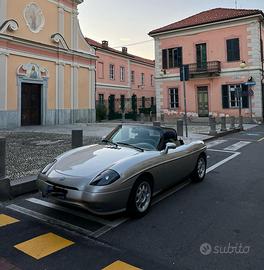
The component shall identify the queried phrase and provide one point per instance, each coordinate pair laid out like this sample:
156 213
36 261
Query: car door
173 167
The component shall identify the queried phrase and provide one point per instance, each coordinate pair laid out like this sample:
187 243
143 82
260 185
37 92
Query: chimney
124 50
105 44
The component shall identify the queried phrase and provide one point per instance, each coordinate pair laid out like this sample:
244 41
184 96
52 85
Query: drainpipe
262 66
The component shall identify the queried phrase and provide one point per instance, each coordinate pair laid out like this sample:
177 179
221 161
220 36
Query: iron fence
130 108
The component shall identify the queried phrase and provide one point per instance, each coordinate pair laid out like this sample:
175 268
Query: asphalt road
217 224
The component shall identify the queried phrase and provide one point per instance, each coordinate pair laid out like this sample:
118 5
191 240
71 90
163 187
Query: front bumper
96 202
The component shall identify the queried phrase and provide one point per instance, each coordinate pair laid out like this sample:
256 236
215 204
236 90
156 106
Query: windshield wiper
110 142
131 145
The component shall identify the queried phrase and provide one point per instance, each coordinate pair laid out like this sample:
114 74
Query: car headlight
105 178
48 167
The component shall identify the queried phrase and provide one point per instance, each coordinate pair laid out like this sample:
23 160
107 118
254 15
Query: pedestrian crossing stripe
119 265
7 220
215 143
236 146
43 245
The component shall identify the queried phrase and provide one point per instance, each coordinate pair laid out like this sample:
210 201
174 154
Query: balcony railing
211 68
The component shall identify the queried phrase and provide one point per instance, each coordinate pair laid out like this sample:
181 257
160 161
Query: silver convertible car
123 172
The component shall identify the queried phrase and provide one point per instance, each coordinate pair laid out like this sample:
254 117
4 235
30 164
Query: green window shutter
233 49
225 97
164 59
245 103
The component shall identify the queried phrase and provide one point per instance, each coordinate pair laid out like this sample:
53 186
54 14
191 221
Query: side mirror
103 138
169 145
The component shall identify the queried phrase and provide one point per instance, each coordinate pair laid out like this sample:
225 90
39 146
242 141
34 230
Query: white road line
170 192
222 162
214 143
106 229
69 211
223 151
237 145
49 220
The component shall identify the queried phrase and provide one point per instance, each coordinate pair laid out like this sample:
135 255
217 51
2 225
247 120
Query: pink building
124 82
224 51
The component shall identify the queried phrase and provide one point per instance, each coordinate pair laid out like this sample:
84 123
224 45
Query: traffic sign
250 92
250 83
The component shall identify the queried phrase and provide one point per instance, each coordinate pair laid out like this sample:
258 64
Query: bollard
162 117
123 117
240 122
180 127
77 138
4 181
212 124
232 122
150 116
223 123
156 124
142 116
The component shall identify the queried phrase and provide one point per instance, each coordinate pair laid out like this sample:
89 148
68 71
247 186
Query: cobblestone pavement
29 149
29 152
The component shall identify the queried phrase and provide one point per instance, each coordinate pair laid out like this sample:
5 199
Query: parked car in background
123 172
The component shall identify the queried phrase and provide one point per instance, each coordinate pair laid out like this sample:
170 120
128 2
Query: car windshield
143 137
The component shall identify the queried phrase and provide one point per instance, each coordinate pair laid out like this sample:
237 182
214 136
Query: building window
142 79
233 50
151 80
132 76
100 70
101 99
174 98
231 95
122 73
172 58
111 72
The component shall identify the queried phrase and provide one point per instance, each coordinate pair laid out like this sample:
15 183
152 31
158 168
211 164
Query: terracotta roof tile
208 16
133 57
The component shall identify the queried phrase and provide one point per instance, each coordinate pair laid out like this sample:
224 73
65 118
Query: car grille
62 186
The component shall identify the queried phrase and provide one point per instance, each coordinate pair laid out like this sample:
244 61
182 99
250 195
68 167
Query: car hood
87 162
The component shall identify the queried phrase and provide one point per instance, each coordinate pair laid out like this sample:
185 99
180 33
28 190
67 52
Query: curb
28 184
221 134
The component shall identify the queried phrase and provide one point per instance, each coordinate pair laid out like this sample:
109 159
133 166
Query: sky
126 23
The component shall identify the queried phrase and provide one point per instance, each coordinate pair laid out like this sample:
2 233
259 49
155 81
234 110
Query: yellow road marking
43 245
261 139
6 220
119 265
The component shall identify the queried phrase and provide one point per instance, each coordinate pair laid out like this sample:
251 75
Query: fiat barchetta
124 171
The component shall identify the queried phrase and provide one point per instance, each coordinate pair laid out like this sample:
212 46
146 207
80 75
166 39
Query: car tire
200 169
140 198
